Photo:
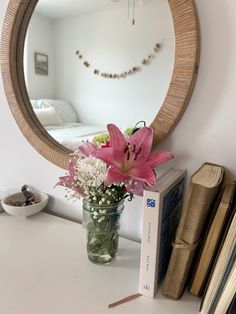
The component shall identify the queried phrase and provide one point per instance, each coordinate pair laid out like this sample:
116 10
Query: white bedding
71 135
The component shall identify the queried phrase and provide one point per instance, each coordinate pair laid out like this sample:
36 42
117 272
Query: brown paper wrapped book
202 190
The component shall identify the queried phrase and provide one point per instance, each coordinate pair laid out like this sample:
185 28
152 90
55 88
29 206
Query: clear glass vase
102 223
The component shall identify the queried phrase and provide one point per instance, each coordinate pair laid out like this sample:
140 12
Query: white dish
3 194
25 211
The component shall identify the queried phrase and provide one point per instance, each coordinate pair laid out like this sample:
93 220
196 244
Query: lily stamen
128 155
138 152
126 149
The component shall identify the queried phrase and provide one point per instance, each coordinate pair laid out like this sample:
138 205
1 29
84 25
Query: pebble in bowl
24 211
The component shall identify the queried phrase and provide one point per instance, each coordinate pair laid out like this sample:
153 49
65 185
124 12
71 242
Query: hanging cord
133 22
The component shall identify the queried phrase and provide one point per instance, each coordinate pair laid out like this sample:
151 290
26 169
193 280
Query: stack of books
199 251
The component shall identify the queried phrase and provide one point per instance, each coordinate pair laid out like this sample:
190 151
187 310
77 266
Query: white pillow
39 104
47 116
64 109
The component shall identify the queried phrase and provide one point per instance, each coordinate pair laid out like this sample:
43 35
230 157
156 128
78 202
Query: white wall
112 44
207 132
40 39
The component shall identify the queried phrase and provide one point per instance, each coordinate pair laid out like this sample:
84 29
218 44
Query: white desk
44 270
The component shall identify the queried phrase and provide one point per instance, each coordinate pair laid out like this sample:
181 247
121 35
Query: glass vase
102 224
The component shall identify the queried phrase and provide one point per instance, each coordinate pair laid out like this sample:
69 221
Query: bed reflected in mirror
94 62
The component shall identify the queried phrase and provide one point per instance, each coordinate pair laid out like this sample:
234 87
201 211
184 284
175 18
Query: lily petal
72 169
136 187
117 141
158 158
142 139
143 173
86 149
114 176
68 180
106 155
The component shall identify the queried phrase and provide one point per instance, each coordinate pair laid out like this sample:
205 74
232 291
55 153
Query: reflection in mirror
77 59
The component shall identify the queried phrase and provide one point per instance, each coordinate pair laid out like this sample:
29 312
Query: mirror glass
91 62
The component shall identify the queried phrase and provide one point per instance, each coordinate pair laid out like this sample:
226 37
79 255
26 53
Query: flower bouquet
104 173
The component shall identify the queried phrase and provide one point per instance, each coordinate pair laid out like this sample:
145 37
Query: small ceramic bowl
3 194
24 211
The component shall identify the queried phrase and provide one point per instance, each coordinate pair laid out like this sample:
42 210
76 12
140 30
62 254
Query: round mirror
87 65
72 67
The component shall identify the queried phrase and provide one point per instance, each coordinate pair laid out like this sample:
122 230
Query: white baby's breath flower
91 172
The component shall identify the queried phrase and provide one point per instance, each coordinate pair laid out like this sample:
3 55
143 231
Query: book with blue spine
162 206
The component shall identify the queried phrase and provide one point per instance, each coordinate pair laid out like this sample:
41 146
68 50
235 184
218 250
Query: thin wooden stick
127 299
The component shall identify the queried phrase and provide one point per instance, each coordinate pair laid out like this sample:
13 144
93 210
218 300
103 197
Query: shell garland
133 70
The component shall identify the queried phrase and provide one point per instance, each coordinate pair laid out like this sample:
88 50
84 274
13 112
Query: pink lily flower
131 160
86 149
69 182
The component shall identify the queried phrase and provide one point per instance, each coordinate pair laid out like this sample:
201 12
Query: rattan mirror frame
186 62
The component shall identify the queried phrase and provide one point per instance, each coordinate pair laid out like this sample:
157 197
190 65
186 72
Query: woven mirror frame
187 46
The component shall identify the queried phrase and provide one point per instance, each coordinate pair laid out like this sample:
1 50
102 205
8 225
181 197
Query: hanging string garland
133 70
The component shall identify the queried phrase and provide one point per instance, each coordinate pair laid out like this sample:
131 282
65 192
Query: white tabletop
44 270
